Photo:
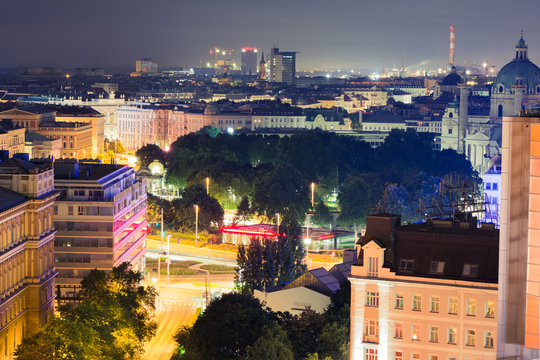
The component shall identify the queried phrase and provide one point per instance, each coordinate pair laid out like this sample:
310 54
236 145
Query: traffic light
163 233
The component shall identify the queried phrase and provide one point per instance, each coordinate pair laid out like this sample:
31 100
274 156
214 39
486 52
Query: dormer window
406 266
470 270
436 267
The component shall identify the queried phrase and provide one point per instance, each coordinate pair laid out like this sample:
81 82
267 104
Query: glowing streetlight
196 223
312 194
207 186
278 220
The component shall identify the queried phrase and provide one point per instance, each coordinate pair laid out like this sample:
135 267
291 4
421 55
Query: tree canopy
274 172
112 321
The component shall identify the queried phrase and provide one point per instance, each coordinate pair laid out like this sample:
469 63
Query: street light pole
196 225
312 194
207 185
160 250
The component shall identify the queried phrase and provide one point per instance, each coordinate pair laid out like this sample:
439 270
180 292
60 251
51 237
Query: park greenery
112 321
238 326
181 213
264 263
272 174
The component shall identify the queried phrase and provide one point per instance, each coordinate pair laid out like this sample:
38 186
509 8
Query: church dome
453 78
520 71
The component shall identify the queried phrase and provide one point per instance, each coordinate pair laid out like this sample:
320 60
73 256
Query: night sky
329 34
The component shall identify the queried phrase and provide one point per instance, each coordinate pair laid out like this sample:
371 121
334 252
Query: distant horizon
346 34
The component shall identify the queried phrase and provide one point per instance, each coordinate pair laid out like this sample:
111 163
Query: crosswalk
170 304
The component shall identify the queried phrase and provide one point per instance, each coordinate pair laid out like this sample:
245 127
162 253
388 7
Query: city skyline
329 36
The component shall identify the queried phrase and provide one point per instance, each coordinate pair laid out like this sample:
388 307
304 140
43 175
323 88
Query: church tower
521 49
262 68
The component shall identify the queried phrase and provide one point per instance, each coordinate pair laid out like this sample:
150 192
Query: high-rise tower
282 66
249 61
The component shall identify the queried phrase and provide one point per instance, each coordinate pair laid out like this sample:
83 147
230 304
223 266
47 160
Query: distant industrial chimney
451 61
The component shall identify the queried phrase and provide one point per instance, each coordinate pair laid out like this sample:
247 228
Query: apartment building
76 137
27 269
136 126
85 115
100 216
424 291
12 137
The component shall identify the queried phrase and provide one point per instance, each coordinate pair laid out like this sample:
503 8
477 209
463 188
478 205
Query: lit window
371 354
490 309
372 298
372 328
398 355
471 337
406 266
489 339
399 302
471 307
399 330
416 332
453 306
452 335
435 302
434 334
417 302
416 356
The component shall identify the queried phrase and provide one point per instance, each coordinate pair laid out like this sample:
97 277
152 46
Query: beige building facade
418 300
27 270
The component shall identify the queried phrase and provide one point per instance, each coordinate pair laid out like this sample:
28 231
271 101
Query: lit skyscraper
282 66
249 61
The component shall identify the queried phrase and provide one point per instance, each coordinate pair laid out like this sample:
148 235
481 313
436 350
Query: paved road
221 256
162 346
176 306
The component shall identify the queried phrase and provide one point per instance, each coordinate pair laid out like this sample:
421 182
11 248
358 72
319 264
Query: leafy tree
244 211
226 329
357 196
273 344
285 189
302 330
334 341
268 262
149 153
112 321
210 213
322 216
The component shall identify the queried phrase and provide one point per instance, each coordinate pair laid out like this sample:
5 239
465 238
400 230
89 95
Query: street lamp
278 220
312 194
196 223
207 185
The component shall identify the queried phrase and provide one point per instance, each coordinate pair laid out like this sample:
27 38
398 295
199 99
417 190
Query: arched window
501 88
500 111
451 115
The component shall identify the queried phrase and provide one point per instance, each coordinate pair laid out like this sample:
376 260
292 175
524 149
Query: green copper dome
524 70
520 71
